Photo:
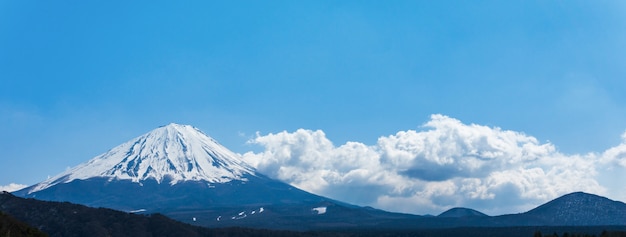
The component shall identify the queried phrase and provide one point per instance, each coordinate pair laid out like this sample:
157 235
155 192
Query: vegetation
604 233
67 220
10 227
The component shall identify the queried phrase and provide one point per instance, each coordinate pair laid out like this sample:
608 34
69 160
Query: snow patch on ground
241 215
137 211
320 210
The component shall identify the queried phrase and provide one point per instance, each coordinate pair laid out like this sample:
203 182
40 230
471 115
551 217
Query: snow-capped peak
176 152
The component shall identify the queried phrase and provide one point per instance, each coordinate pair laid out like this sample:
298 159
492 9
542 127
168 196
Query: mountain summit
171 153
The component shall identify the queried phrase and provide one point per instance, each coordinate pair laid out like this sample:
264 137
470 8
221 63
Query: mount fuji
179 171
172 154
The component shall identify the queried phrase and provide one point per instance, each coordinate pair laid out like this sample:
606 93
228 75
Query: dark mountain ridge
63 219
461 212
580 209
66 219
9 226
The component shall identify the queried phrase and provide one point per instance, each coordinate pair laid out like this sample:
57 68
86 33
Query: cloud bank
443 165
12 187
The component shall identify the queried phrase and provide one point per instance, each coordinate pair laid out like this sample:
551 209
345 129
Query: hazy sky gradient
78 78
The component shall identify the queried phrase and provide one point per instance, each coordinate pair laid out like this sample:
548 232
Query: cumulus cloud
616 155
444 164
12 187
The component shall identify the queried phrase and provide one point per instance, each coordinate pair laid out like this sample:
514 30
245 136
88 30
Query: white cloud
616 155
12 187
446 164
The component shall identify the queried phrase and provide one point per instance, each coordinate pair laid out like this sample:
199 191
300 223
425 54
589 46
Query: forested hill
9 226
64 219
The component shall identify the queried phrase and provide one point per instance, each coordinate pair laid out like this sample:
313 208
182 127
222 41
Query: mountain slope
179 171
580 209
66 219
9 226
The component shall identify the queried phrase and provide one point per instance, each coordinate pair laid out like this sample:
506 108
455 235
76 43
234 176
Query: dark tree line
9 226
566 234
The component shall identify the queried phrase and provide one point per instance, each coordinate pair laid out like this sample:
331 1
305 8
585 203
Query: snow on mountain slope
173 152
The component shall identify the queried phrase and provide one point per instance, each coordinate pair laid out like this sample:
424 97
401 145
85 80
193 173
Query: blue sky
78 78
